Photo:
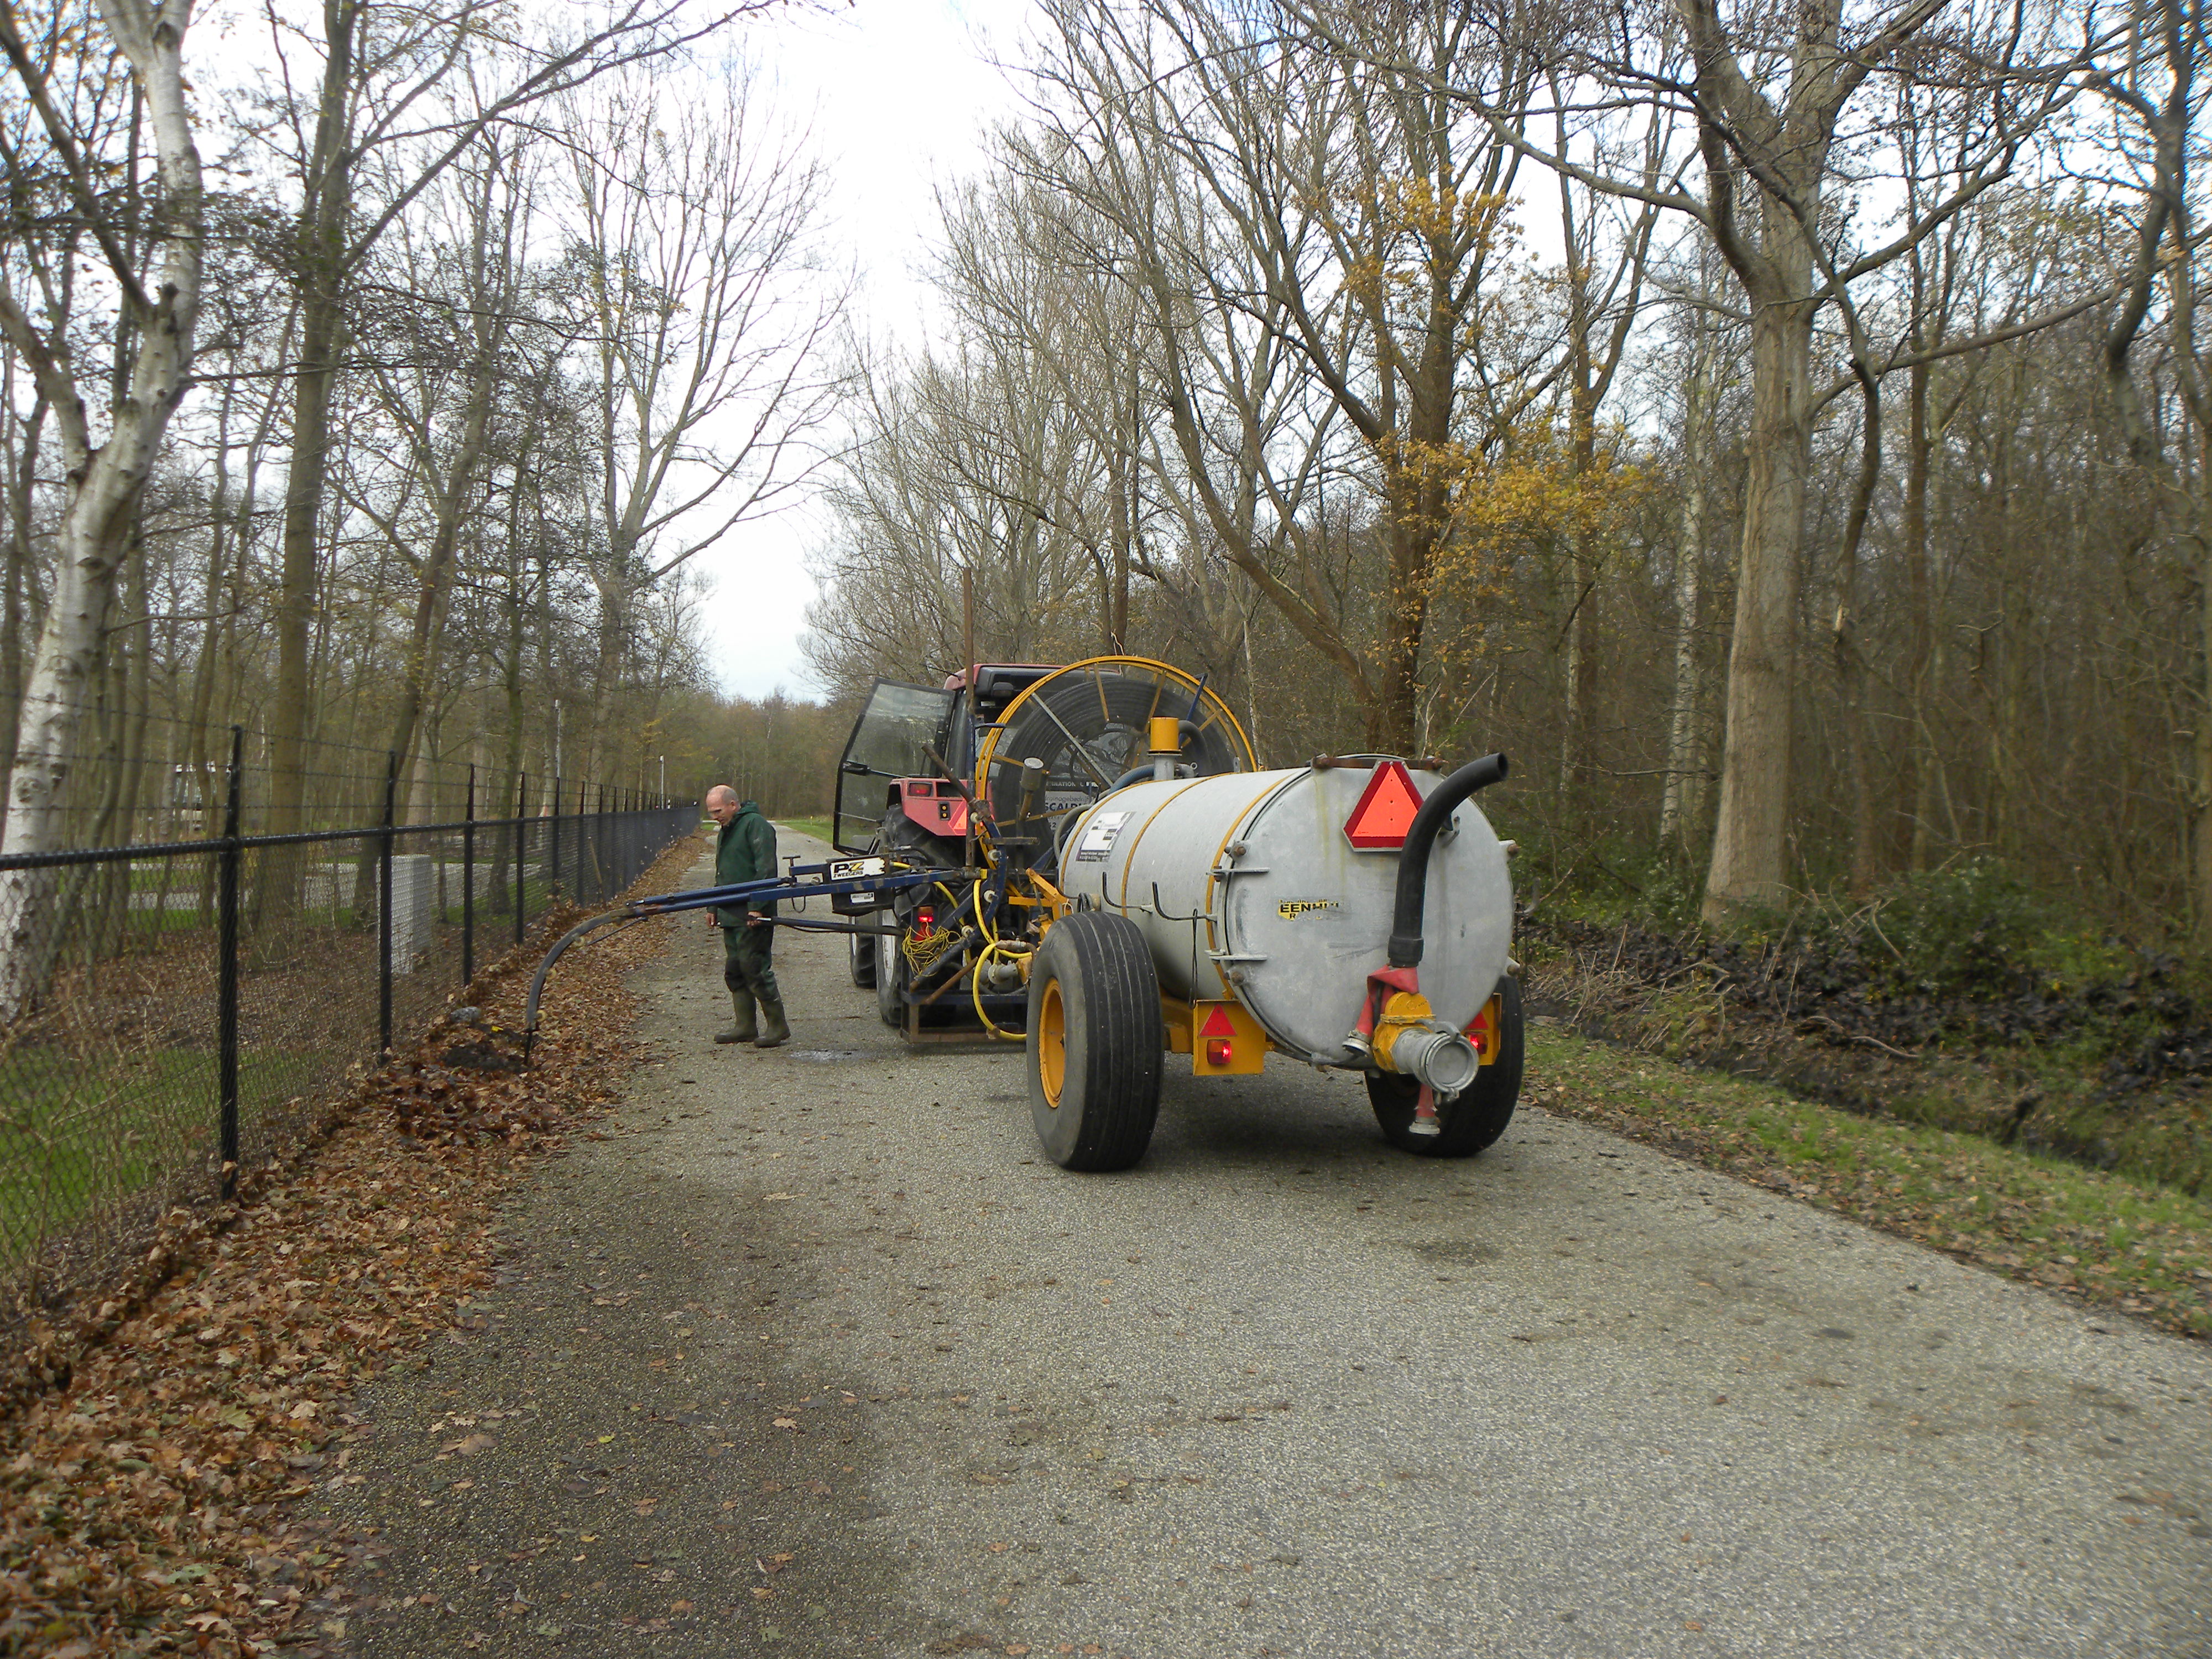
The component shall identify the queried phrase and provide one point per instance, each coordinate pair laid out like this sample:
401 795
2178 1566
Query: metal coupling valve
1410 1040
1439 1056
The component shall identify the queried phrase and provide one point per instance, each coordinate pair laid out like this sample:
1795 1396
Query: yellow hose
993 947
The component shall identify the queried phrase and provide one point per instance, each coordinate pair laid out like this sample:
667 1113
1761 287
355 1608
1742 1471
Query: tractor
1087 859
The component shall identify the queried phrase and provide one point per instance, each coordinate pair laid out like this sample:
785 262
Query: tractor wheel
1095 1039
860 953
1477 1117
891 974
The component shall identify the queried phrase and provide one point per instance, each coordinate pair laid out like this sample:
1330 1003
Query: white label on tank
1098 836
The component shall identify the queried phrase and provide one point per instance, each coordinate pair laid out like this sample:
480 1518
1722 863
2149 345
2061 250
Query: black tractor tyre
1094 1043
1478 1117
892 976
860 948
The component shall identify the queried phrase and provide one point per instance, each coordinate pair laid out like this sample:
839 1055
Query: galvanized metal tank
1245 884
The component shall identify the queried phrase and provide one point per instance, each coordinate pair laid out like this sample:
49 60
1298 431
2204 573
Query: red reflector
1217 1051
1217 1024
1386 808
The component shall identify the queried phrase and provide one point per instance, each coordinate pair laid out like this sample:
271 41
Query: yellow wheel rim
1052 1043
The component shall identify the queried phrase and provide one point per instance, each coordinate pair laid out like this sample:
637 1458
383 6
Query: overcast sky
901 92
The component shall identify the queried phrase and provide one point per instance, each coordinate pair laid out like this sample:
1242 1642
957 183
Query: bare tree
2156 90
381 67
1314 235
1767 89
443 391
152 259
702 296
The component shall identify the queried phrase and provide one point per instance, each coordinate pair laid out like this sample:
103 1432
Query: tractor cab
913 749
975 783
919 756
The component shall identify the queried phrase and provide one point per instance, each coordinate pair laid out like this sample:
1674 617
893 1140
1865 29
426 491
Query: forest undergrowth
146 1470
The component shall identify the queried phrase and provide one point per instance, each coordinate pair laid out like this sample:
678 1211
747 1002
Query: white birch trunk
104 481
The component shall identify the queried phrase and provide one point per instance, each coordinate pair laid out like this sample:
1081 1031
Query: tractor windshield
897 726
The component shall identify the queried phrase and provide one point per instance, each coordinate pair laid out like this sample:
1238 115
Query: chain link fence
175 1012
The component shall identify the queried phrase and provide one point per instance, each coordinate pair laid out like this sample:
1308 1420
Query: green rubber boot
778 1029
741 1005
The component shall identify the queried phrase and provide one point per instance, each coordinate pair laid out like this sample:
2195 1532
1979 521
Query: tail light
924 921
1217 1051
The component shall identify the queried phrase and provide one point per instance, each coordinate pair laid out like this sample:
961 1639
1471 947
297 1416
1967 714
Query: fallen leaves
140 1500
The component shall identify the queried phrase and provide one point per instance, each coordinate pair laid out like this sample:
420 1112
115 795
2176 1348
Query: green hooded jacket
744 851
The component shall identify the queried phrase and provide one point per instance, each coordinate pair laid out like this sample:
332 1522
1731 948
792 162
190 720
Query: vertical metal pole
521 822
226 994
968 632
469 882
556 827
384 908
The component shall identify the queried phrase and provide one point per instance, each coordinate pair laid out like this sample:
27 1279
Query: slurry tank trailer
1086 859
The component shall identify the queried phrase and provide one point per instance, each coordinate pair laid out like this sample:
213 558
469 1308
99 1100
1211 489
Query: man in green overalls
745 851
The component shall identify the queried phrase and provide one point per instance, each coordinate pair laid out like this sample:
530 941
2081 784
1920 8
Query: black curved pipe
626 914
1420 841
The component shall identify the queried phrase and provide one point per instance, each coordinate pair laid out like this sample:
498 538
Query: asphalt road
818 1356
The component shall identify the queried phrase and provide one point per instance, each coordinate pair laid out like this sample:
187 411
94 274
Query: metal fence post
225 994
384 908
554 830
469 882
521 820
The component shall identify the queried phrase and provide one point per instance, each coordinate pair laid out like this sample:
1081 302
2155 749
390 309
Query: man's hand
754 919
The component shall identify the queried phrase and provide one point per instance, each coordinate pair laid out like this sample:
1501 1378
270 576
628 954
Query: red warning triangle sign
1386 808
1217 1023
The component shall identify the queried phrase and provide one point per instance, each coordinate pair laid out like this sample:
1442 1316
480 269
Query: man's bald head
721 803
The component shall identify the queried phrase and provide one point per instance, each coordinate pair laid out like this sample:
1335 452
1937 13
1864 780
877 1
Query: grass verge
80 1132
2103 1238
817 828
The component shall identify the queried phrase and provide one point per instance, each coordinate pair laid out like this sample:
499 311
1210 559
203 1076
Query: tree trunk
320 247
1918 786
2200 823
15 586
1681 800
104 484
1751 834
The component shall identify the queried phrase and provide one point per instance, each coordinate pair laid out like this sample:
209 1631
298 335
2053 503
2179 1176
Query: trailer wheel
1477 1117
1095 1039
860 954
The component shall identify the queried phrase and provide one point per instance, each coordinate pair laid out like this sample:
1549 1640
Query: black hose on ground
626 915
1420 841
